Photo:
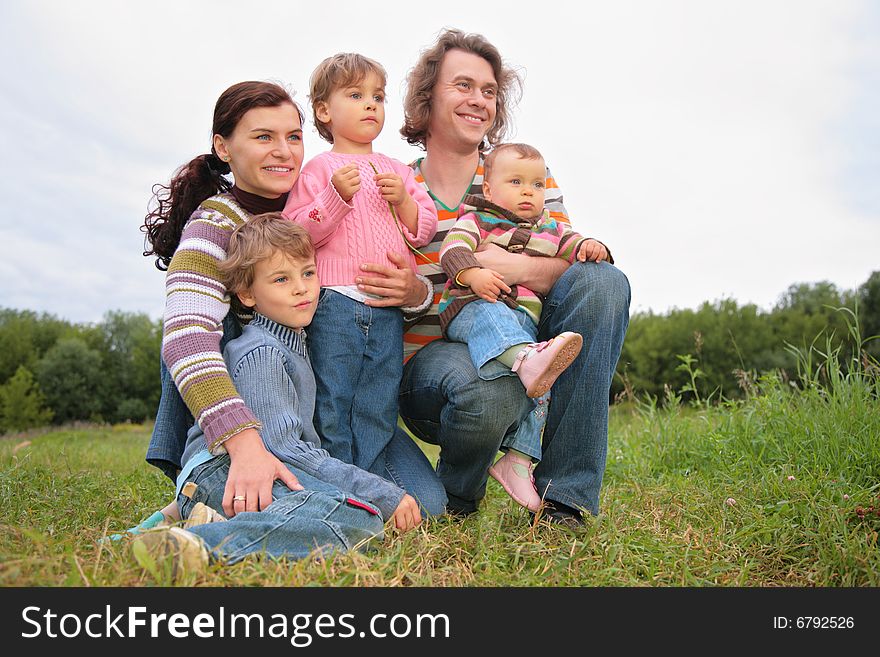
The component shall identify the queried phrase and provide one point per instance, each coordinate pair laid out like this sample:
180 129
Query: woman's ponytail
199 179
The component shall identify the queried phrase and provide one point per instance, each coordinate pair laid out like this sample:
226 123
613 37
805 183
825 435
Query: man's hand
347 181
252 472
407 516
537 274
485 283
398 286
592 251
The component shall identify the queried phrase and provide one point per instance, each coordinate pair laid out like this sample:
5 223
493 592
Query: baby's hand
486 283
407 516
347 181
391 188
592 251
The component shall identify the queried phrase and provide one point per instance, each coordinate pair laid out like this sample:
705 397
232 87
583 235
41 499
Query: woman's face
265 151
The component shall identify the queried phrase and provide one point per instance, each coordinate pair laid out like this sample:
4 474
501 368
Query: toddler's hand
486 283
407 516
592 251
391 188
347 181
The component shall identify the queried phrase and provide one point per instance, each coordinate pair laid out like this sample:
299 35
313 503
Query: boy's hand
391 188
487 284
592 251
407 516
347 181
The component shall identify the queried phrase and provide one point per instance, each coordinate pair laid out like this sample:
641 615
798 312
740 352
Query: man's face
463 101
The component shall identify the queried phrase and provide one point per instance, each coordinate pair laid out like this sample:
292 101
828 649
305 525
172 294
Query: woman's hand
252 472
407 515
398 286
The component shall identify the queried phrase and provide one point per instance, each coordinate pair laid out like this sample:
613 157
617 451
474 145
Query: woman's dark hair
203 176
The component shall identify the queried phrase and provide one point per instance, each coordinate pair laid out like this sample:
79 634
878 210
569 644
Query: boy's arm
459 246
315 204
262 380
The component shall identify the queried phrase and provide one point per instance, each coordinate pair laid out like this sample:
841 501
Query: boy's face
355 114
285 290
517 184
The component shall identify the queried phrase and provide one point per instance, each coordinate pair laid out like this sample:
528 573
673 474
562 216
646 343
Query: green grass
763 492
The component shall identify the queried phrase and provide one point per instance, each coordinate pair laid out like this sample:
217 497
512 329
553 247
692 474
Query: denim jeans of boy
357 356
173 418
490 329
444 402
293 526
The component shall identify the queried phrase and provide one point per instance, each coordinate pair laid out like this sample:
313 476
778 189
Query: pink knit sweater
364 230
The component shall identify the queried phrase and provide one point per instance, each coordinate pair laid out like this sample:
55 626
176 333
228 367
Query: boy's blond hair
258 239
525 151
341 70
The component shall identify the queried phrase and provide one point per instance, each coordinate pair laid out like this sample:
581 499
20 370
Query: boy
270 271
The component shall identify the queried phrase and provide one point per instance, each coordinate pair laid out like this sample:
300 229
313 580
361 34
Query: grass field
782 489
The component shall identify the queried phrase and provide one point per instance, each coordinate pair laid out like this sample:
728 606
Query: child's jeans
357 355
490 329
294 525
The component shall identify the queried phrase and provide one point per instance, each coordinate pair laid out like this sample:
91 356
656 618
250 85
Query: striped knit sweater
196 303
427 328
541 236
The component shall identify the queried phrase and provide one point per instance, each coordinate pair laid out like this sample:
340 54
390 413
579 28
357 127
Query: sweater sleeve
459 245
261 376
195 304
314 203
427 217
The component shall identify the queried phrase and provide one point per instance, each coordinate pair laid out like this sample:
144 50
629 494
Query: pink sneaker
540 364
514 473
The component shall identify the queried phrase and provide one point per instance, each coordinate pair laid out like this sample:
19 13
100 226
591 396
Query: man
457 105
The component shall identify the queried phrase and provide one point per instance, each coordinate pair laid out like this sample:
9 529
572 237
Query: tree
869 312
71 377
22 405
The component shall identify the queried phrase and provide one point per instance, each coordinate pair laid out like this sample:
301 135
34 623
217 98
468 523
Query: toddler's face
355 114
517 184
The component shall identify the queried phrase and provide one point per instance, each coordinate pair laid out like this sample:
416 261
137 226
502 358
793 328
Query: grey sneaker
187 550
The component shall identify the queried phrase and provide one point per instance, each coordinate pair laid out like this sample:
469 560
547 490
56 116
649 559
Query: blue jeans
401 462
490 329
295 524
357 356
444 402
173 419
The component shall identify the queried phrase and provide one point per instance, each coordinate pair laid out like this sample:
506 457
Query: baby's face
517 184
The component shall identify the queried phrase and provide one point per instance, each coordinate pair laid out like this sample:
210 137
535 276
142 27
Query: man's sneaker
186 550
557 513
539 364
202 514
514 473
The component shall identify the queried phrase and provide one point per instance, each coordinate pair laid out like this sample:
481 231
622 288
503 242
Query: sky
724 149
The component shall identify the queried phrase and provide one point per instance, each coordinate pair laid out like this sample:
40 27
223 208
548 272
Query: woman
257 137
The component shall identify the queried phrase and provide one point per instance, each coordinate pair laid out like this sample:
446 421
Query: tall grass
778 489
